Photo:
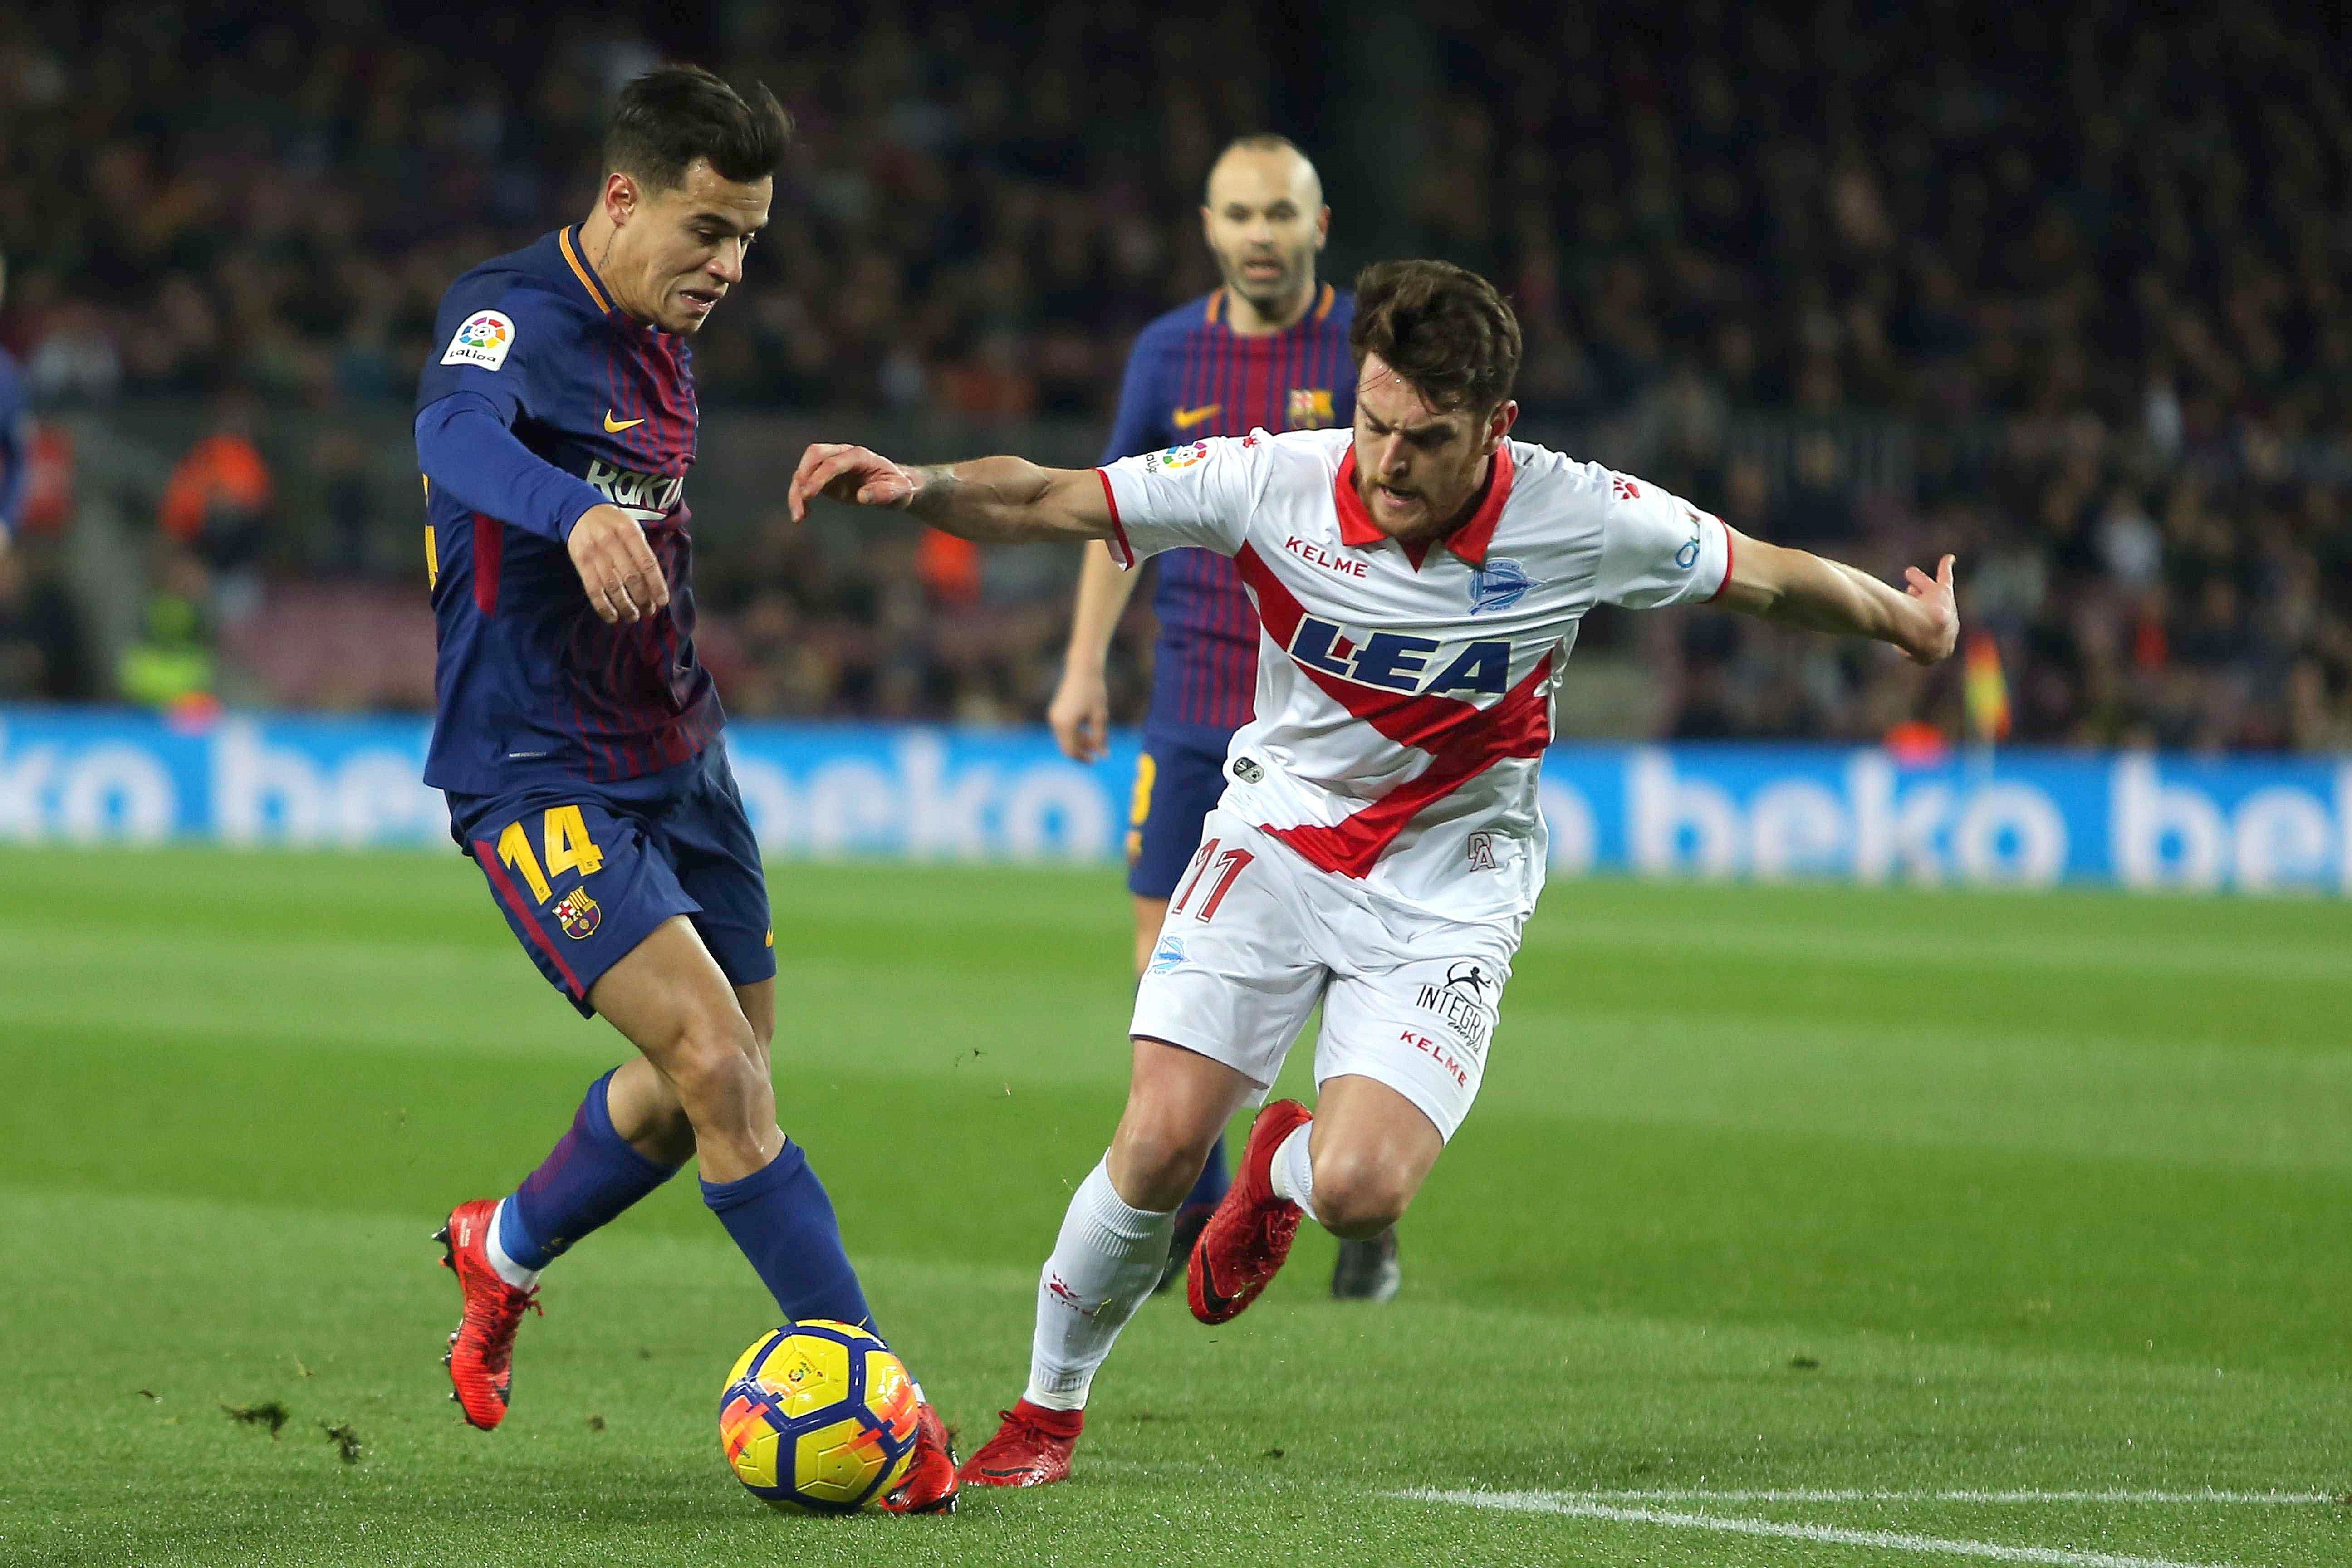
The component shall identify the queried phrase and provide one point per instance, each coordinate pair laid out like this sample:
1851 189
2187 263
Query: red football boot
1031 1449
930 1483
481 1351
1249 1236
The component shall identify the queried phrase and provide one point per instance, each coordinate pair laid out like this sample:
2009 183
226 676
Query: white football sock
513 1273
1105 1263
1294 1170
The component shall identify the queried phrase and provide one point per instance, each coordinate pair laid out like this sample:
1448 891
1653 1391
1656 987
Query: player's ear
620 197
1322 226
1499 423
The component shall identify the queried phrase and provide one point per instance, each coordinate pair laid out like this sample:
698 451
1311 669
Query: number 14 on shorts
568 847
1228 866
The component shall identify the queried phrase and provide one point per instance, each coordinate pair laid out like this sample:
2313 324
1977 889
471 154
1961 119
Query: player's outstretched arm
1802 589
1080 710
989 499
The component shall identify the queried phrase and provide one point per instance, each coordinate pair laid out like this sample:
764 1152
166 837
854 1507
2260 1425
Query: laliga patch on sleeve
484 341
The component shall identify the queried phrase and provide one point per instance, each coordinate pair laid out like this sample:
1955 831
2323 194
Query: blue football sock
782 1220
588 1178
1210 1189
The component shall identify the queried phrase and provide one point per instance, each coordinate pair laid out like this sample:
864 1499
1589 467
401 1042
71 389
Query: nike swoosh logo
615 427
1210 1298
1185 418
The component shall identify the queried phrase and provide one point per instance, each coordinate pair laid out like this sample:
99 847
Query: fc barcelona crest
1310 408
577 913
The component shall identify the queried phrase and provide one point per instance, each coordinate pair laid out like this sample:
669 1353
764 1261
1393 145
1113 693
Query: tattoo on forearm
936 487
989 499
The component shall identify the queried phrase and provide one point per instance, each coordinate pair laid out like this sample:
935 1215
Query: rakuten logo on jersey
1394 661
648 498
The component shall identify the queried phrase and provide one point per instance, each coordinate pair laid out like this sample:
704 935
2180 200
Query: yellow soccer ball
819 1416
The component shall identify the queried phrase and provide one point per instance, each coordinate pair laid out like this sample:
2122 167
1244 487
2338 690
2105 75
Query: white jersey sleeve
1200 494
1656 549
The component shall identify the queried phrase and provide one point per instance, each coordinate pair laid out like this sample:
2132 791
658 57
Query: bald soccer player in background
1267 351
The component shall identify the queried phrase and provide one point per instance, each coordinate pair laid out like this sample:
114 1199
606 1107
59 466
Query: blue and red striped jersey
530 684
1191 376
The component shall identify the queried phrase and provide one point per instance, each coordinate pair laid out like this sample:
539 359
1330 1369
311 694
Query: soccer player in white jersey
1419 581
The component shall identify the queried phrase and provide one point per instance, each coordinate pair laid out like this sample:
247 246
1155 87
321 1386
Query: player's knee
1356 1196
714 1062
1160 1158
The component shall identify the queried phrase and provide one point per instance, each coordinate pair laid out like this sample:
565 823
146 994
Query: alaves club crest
577 913
1499 584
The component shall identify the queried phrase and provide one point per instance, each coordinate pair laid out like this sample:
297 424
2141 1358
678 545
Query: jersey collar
1469 541
580 270
1325 297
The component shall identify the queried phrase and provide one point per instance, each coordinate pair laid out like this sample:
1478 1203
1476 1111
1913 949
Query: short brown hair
1442 328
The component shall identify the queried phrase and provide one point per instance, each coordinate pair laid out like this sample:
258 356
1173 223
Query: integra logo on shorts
648 498
1461 1001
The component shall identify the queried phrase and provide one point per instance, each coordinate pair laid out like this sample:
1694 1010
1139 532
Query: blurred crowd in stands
2060 288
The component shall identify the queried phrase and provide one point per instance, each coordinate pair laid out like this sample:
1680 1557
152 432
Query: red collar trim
1469 541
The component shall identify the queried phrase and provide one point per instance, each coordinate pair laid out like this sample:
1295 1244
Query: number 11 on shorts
1229 866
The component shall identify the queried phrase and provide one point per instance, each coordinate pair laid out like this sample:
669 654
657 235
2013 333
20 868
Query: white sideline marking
1585 1506
1671 1494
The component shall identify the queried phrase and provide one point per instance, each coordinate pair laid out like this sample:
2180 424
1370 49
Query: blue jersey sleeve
463 446
1134 428
503 346
498 340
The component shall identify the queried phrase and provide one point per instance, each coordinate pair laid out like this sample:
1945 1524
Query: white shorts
1256 937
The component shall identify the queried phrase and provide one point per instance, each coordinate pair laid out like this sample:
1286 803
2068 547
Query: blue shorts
584 872
1176 785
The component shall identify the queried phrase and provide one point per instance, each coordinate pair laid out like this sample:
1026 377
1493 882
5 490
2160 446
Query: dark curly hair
1442 328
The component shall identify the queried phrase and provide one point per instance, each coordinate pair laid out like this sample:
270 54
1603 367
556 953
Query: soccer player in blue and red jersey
578 737
1268 351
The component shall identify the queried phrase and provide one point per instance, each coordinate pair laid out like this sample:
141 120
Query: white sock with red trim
1294 1170
1105 1263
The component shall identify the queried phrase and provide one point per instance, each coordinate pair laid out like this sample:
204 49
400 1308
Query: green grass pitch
1962 1227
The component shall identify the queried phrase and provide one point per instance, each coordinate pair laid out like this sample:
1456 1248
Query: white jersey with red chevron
1404 696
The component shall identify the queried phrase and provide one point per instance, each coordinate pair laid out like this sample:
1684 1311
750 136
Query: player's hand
848 473
1080 714
616 566
1938 625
